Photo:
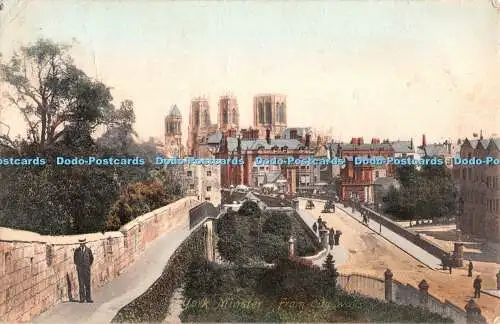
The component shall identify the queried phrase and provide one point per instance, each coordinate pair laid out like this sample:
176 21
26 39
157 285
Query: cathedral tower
200 125
269 112
173 133
229 116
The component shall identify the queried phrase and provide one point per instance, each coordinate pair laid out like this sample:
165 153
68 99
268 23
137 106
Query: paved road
339 253
110 298
417 252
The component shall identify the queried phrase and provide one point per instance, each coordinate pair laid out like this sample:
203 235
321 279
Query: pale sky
388 69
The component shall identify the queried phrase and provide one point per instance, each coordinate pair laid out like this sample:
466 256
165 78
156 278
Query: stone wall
37 272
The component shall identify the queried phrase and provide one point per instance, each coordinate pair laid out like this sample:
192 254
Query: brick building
248 147
358 180
479 190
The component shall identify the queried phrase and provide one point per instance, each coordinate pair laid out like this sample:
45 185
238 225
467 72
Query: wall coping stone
14 235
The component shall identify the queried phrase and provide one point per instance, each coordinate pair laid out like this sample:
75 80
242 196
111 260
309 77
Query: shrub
272 247
249 208
278 224
138 199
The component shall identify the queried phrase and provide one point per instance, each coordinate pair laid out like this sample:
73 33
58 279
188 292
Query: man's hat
82 240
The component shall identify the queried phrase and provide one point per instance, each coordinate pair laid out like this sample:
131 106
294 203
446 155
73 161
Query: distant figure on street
336 237
444 261
331 238
315 228
498 280
83 259
477 287
470 269
472 308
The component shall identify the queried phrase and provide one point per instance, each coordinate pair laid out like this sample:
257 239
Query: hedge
153 305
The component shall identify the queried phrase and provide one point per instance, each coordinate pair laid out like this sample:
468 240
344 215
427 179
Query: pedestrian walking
444 262
470 269
83 259
331 238
336 237
315 228
477 286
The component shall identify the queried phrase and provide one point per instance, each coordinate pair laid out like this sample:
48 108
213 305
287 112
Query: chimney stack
268 136
423 141
308 140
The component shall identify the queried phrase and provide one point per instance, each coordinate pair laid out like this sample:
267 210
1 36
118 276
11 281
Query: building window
269 113
225 116
235 116
191 186
209 173
376 174
207 198
190 173
261 113
209 188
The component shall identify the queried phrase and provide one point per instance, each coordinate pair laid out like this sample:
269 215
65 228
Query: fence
362 284
401 294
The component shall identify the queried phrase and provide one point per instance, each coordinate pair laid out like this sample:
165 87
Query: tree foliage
278 224
52 94
64 109
426 193
249 208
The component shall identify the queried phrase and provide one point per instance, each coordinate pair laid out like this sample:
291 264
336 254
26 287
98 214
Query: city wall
37 272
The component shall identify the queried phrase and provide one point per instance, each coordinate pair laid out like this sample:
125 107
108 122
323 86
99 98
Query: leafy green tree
62 108
250 208
52 94
272 247
329 266
278 224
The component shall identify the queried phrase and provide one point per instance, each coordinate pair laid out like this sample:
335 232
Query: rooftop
403 147
174 112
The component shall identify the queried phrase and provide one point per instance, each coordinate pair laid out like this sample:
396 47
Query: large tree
53 95
62 108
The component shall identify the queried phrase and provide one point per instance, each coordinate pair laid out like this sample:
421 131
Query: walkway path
110 298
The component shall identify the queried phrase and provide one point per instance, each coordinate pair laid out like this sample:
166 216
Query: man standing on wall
83 260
